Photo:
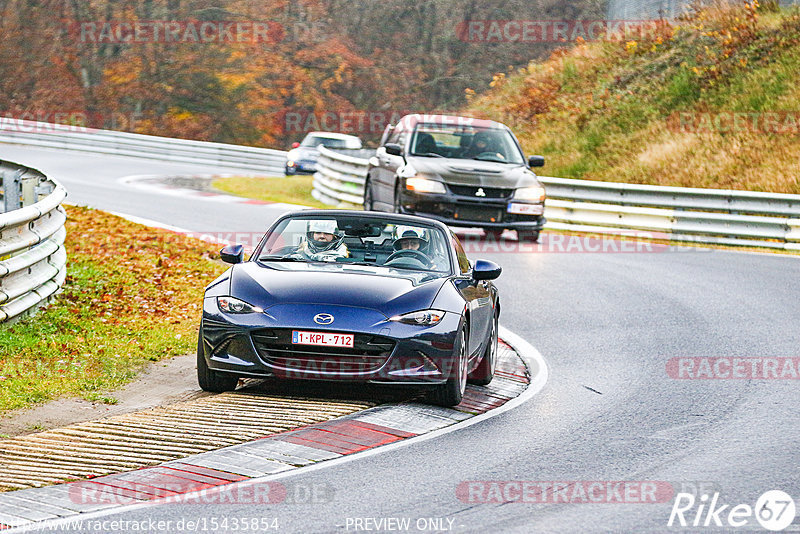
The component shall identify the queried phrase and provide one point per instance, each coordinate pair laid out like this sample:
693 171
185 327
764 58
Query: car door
388 166
478 297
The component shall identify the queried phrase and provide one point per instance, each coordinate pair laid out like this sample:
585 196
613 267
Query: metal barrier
259 160
712 216
32 256
339 180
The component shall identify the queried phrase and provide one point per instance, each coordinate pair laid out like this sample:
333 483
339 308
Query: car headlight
423 185
535 193
234 305
421 317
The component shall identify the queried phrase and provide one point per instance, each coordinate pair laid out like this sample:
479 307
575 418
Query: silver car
302 158
461 171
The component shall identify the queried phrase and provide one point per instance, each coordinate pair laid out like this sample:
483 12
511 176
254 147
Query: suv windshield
376 242
465 142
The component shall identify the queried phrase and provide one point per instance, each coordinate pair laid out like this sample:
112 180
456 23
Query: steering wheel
410 253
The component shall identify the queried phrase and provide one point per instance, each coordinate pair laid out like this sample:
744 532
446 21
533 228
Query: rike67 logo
774 510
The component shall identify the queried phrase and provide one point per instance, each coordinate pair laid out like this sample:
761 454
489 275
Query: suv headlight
534 194
423 185
234 305
421 317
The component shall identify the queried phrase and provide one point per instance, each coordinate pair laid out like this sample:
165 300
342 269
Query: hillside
711 101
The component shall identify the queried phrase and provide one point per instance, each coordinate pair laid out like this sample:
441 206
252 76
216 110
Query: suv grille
369 353
490 192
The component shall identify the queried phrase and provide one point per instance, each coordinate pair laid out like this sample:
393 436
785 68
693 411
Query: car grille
477 214
489 192
369 353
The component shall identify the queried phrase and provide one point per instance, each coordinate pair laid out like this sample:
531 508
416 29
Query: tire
288 171
451 392
484 373
493 233
369 205
209 379
529 236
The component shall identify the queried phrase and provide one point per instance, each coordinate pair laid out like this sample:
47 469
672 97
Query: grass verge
291 189
658 109
132 295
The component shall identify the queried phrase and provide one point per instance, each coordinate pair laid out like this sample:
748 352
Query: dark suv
461 171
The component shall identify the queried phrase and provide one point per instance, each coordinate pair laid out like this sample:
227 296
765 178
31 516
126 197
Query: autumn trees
99 60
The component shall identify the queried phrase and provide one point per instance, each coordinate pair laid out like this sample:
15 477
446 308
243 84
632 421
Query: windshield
376 242
465 142
327 142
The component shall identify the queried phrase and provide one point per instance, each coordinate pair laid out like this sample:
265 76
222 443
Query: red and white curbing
248 472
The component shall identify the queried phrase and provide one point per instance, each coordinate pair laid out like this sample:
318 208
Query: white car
302 158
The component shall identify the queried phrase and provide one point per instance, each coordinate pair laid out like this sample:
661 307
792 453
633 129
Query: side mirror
232 254
536 161
295 144
393 149
486 270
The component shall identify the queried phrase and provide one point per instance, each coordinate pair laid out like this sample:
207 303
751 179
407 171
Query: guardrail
32 133
339 180
713 216
32 256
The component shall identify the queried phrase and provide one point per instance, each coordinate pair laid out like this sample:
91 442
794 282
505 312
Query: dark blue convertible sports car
352 295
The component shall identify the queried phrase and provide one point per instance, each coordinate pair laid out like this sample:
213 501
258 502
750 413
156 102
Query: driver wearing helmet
323 242
413 239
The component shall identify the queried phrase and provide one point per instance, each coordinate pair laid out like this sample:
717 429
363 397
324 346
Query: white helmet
324 226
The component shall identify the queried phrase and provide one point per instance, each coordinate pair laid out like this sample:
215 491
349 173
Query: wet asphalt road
606 323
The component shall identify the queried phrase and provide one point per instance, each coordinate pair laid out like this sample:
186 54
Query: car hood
276 283
474 172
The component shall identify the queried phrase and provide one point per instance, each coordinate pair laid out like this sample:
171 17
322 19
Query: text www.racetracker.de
195 524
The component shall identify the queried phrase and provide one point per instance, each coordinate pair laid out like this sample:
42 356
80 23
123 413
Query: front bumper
259 345
463 211
303 166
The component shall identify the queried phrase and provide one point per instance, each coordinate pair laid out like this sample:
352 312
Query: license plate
477 214
325 339
525 209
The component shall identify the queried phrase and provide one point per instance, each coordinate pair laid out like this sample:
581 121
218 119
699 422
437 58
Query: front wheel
484 373
493 234
451 392
210 380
